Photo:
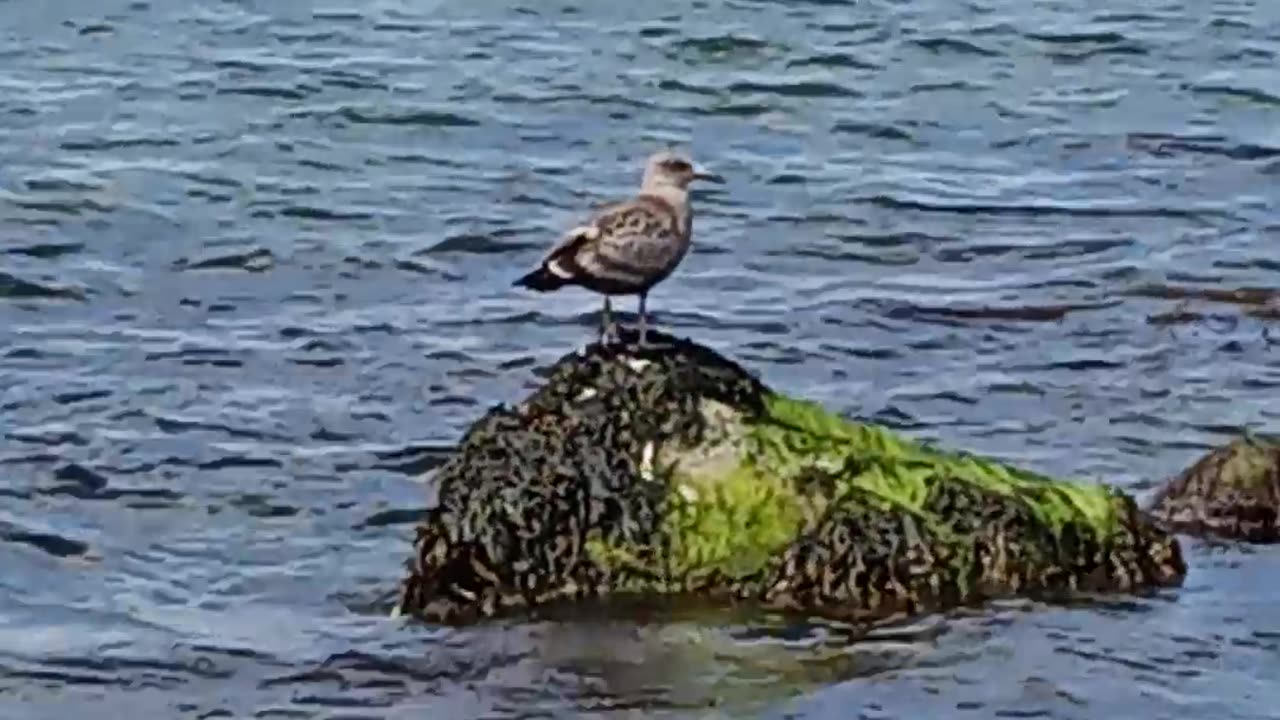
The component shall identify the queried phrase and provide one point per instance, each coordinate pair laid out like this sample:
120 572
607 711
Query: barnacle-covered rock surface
670 473
1232 492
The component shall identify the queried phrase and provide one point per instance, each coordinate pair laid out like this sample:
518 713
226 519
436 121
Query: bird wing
561 259
636 240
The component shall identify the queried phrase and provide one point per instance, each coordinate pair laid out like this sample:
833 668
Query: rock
671 472
1231 492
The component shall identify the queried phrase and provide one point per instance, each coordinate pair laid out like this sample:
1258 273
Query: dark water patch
683 86
1073 365
842 254
1247 55
1112 657
275 92
1164 145
394 516
79 478
46 250
818 3
240 462
736 109
944 45
56 184
132 673
1078 55
328 361
721 46
1044 313
894 240
105 144
198 356
426 117
363 263
401 26
1075 38
414 460
866 353
835 60
357 669
1259 263
795 89
63 205
947 86
1064 249
1251 94
305 212
30 458
51 543
291 37
260 506
253 259
786 179
886 201
1226 23
476 245
517 363
176 426
253 67
338 15
1125 17
452 400
1016 388
322 165
874 130
327 435
132 497
97 29
418 267
353 81
658 31
58 678
17 288
892 416
320 352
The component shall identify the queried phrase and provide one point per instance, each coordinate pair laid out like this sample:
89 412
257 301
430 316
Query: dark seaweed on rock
672 472
1232 492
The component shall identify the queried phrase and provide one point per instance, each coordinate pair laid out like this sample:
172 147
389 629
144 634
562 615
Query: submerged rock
1232 492
672 472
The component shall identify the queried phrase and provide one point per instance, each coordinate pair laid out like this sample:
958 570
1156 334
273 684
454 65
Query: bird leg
607 329
643 295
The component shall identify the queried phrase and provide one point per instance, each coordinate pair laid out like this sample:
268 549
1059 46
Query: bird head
672 168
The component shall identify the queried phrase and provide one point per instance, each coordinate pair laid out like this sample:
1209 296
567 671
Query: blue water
255 262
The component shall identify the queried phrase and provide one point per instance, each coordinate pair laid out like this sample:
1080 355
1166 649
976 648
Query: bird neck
673 195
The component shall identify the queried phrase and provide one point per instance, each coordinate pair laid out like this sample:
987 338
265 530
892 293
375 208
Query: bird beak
701 173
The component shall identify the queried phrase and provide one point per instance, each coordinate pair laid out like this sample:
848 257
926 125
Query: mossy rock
1231 492
670 472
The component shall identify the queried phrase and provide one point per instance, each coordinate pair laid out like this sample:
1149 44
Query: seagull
627 247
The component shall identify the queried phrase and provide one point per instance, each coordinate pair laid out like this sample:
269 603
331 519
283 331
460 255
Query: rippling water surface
254 279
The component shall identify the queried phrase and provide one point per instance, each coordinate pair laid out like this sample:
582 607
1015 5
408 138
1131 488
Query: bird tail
541 279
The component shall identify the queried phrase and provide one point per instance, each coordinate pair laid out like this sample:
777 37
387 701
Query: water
255 274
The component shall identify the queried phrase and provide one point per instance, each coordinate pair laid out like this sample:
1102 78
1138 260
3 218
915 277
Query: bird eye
679 165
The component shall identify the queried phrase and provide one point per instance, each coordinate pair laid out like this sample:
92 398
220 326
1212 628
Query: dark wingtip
539 280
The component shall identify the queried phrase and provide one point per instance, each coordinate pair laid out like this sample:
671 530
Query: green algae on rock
1231 492
672 472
